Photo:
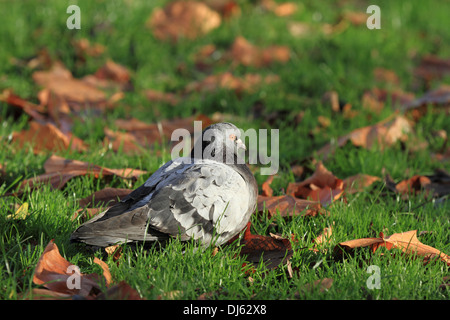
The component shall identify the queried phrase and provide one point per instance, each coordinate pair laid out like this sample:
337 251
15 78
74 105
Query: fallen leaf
120 291
358 182
324 237
405 241
54 272
288 206
384 133
147 134
439 97
227 8
431 68
245 53
183 19
436 185
322 186
282 10
75 92
58 171
273 250
21 212
122 141
266 189
157 96
47 137
226 81
33 110
83 48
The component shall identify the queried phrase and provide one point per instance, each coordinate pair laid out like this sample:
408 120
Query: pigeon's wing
210 201
127 220
205 200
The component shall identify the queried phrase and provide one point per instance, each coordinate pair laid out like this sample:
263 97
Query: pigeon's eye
232 137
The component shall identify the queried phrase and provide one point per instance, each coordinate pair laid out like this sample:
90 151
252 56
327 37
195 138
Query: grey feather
199 198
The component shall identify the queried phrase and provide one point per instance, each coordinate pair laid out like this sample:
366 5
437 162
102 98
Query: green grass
343 62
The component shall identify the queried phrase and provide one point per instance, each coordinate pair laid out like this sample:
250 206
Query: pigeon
208 196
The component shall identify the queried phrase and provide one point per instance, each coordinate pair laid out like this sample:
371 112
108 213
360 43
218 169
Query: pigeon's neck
217 153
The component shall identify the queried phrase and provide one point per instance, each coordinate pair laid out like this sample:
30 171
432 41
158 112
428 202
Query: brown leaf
322 186
123 141
226 81
47 137
58 171
84 48
273 249
282 10
183 19
147 134
288 206
324 237
33 110
75 92
384 133
431 68
439 97
52 271
405 241
358 182
114 72
266 189
158 96
245 53
436 185
120 291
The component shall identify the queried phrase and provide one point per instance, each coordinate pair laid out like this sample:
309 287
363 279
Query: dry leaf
183 19
431 68
406 241
245 53
75 92
384 133
436 185
226 81
282 10
120 291
273 250
266 189
21 212
322 186
47 137
288 206
358 182
53 272
58 171
157 96
33 110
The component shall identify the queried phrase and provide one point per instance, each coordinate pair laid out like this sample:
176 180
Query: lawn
371 75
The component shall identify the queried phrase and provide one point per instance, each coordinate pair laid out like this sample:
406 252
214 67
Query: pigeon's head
220 142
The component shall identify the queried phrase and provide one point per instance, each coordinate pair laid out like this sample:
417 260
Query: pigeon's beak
240 144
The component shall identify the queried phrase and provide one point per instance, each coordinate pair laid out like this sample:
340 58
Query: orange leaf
53 272
188 19
48 137
266 189
288 206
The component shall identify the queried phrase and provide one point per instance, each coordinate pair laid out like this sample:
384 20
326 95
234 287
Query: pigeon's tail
124 228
